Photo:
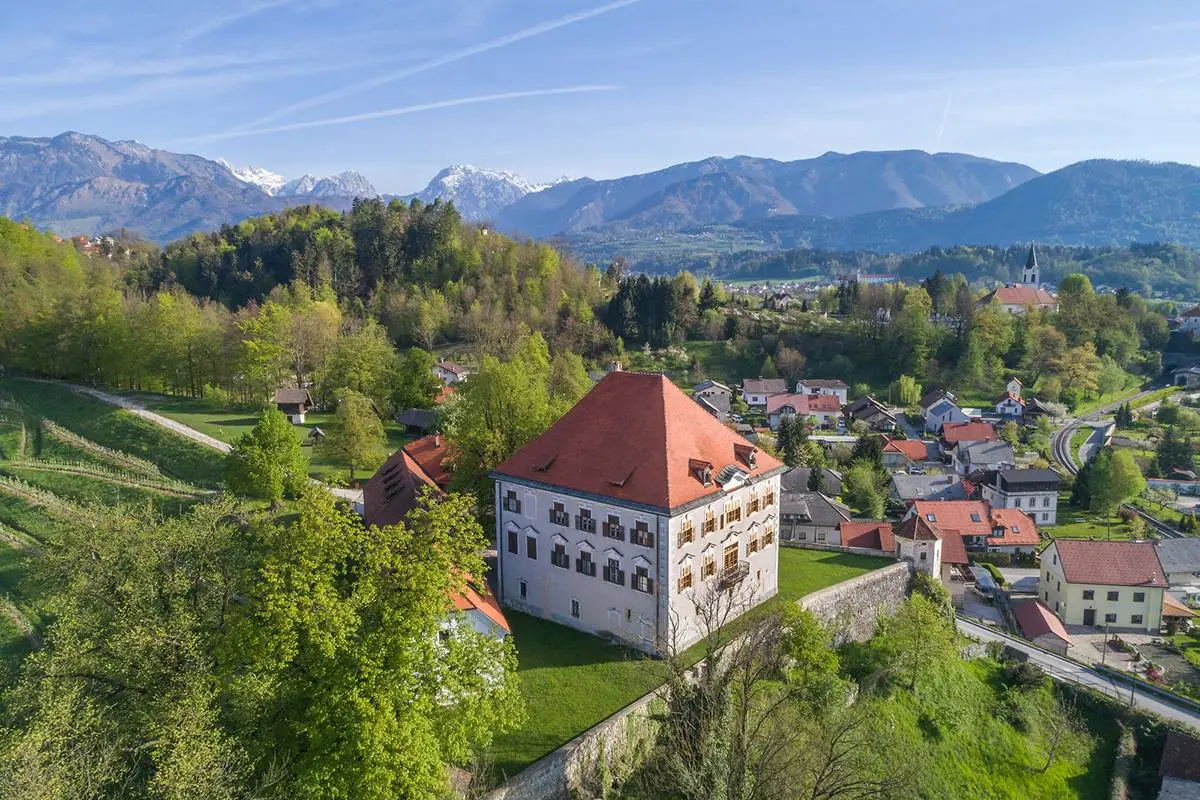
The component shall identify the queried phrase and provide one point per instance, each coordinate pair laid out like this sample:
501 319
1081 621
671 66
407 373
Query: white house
634 510
756 391
1116 585
1189 321
449 372
1011 405
836 388
1034 491
942 412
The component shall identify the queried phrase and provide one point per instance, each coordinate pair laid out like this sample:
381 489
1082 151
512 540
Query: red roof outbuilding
958 432
870 534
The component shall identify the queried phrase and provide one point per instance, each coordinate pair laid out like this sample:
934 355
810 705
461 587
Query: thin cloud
405 110
214 25
942 128
434 63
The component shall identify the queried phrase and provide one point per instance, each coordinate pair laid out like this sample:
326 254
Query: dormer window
701 470
746 454
976 518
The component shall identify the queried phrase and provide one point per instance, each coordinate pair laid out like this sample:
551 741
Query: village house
713 397
824 409
393 491
1116 585
909 488
808 516
1189 321
1180 560
872 413
449 372
1187 377
905 453
932 398
756 391
1040 626
958 433
968 457
839 389
295 403
944 412
938 535
1010 405
1034 491
780 301
800 479
632 511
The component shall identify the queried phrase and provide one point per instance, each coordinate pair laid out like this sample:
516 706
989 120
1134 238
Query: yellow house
1115 585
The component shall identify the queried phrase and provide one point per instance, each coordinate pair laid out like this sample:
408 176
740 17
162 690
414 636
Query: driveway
1064 670
352 496
910 431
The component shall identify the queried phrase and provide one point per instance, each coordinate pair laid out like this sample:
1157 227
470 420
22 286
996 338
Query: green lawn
718 363
1076 524
1078 439
227 426
572 680
104 424
1132 386
1189 645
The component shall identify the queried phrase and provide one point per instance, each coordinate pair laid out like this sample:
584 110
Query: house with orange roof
633 511
393 491
904 453
1017 298
868 535
942 533
824 409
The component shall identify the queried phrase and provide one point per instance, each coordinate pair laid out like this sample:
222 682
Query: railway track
1061 443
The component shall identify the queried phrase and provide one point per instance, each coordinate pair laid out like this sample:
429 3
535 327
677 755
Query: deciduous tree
356 438
267 462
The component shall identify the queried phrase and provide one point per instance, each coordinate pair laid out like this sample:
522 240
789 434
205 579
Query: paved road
350 495
1062 669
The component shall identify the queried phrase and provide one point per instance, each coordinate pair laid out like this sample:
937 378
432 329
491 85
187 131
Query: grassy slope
118 430
86 490
573 681
227 426
977 753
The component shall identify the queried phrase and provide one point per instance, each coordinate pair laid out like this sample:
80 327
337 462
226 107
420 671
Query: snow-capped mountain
478 193
344 184
264 179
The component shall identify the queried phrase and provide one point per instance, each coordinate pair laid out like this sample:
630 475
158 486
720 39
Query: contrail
434 63
399 112
237 16
942 127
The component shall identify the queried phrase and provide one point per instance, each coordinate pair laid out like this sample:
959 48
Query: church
1015 298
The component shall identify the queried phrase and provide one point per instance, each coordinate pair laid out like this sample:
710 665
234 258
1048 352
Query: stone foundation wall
851 608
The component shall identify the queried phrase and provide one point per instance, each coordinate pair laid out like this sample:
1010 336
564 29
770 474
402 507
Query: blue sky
399 89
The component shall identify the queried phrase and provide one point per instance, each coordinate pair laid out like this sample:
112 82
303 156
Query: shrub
992 569
216 398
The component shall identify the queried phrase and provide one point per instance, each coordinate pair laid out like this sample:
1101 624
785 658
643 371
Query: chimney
437 440
615 366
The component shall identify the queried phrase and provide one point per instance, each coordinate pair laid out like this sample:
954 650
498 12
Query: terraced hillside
61 457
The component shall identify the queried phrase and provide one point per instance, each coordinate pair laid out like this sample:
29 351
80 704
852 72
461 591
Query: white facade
1010 408
1040 506
925 555
643 582
842 393
450 376
941 413
1190 321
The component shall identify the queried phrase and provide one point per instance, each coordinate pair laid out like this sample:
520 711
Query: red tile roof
1194 311
803 403
450 366
482 601
1010 396
443 394
955 432
1110 563
912 449
393 490
1037 620
869 534
1020 296
635 437
429 452
954 519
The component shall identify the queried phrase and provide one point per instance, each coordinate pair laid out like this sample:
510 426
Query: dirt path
354 496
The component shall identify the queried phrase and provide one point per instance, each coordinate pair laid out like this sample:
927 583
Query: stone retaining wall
851 608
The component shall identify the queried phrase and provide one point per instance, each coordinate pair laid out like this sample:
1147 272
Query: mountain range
885 201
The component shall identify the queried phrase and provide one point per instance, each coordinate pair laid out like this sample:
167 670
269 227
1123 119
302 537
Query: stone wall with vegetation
851 608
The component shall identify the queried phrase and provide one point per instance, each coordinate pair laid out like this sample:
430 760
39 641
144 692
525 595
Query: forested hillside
283 298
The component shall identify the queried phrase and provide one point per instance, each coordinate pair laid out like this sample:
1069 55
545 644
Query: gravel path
354 496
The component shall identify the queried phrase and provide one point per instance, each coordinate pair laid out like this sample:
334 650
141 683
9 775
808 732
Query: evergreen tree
816 479
1173 453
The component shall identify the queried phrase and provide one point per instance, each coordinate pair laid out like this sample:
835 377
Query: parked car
916 469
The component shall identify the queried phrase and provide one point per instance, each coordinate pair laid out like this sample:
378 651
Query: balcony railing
611 531
585 524
560 517
732 576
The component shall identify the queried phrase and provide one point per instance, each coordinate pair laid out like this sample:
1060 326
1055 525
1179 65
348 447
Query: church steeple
1031 275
